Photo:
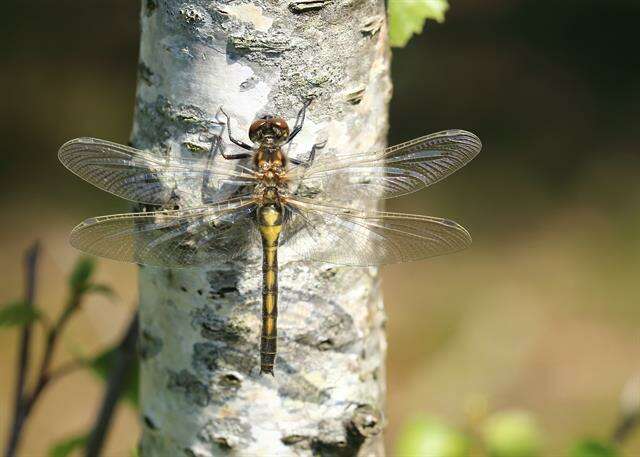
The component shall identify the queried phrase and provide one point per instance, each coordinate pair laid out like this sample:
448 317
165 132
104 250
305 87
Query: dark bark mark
248 84
222 283
161 120
296 387
213 327
364 423
212 356
256 47
149 345
146 75
150 423
367 421
329 330
305 6
150 7
192 14
230 380
188 385
355 97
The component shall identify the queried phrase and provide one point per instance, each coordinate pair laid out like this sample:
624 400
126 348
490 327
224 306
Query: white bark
201 390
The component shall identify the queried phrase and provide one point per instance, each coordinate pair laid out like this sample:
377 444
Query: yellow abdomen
270 225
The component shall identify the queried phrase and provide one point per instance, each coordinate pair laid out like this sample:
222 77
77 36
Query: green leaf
18 313
407 17
593 448
425 436
65 447
102 365
512 434
81 274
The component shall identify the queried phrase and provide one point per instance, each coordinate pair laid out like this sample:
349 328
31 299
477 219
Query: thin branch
624 429
629 418
52 339
125 358
67 368
25 402
31 263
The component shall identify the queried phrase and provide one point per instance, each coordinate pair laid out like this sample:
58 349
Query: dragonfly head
269 130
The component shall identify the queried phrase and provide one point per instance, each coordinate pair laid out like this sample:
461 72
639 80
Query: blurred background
540 315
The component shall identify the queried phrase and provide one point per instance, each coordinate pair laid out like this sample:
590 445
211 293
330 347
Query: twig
629 418
25 402
31 263
67 368
624 429
125 357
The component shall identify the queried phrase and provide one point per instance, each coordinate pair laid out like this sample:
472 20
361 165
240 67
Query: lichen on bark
201 391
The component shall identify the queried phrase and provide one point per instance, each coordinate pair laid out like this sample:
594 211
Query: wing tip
476 142
464 233
79 140
65 152
472 140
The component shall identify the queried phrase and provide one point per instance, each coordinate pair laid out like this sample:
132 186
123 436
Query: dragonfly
302 210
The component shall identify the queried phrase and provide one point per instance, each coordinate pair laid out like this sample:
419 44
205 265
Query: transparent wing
137 175
175 239
395 171
344 236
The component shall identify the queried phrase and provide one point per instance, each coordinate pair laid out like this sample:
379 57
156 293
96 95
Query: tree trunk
201 391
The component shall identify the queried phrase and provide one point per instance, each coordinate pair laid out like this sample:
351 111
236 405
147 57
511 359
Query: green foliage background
407 17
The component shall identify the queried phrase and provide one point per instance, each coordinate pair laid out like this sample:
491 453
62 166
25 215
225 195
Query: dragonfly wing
172 239
395 171
138 175
344 236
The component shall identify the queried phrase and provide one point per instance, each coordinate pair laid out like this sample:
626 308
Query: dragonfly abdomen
270 225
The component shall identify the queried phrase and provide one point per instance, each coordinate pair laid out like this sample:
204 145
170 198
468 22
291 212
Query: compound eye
281 125
255 129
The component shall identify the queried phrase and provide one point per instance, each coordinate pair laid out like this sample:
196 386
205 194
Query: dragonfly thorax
270 196
267 157
270 167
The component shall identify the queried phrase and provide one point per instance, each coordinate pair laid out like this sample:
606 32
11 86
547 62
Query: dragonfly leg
240 143
218 147
299 121
312 155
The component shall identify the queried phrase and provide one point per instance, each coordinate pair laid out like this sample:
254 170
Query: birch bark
201 391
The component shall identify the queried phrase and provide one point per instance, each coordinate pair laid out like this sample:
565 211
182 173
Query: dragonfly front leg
219 147
240 143
312 155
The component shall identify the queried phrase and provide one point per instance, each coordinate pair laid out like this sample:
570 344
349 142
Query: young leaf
407 17
81 273
593 448
17 313
426 436
65 447
512 434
